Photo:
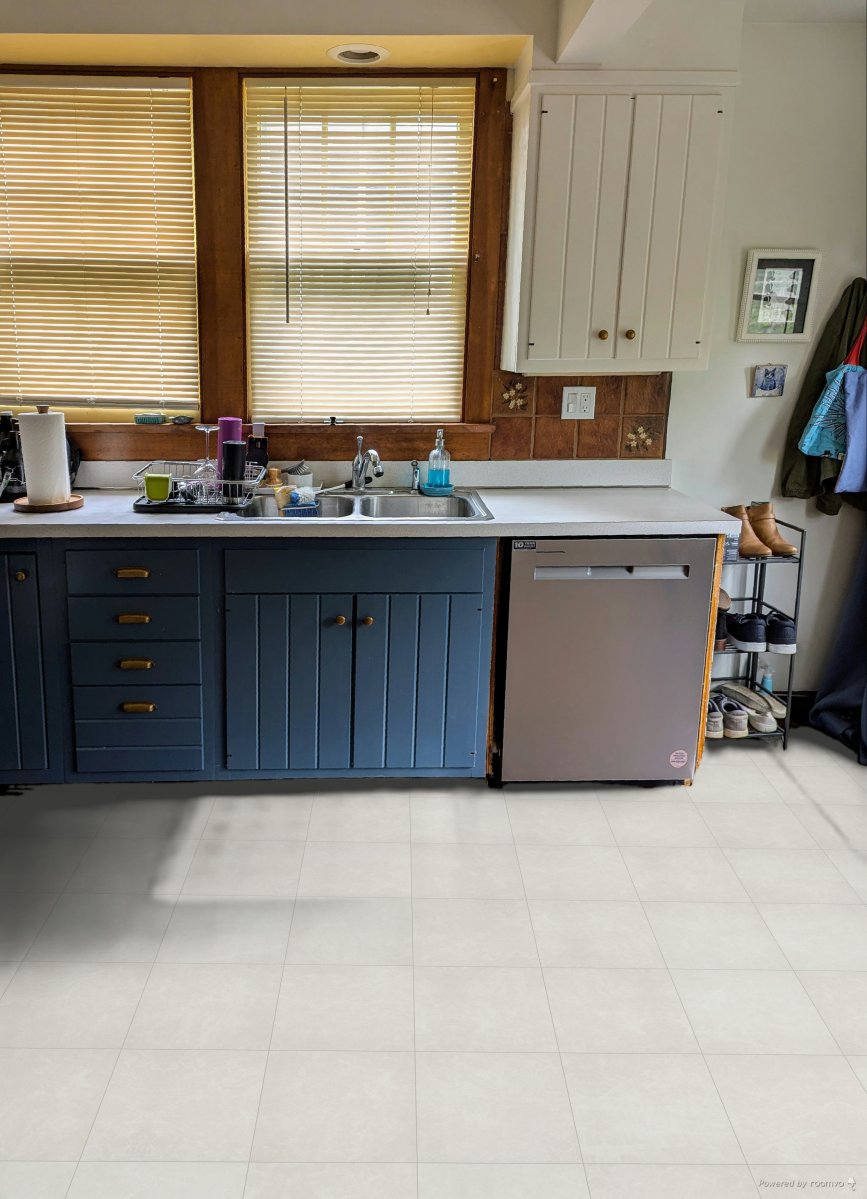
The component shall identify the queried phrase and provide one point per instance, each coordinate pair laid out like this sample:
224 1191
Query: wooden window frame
220 255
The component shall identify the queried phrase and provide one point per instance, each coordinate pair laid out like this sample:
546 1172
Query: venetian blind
97 243
358 212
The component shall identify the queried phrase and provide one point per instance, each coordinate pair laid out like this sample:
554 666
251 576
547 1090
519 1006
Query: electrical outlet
579 403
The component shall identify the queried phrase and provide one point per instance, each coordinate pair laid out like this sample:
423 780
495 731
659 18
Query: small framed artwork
779 295
769 380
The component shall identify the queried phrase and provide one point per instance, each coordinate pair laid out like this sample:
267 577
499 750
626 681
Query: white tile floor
438 992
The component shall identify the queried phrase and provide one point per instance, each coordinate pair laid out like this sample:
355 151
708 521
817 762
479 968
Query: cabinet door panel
672 178
275 667
242 683
696 223
335 682
462 699
655 328
639 224
581 188
23 743
402 684
433 647
551 225
610 212
302 710
371 681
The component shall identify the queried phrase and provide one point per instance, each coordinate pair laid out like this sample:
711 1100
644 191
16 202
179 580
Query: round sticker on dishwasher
679 758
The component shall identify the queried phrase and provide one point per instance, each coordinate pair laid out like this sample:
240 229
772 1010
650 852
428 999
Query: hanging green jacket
804 476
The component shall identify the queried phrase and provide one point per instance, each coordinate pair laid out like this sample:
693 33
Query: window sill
319 443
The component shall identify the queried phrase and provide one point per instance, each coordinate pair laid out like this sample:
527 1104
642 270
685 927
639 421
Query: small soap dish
428 489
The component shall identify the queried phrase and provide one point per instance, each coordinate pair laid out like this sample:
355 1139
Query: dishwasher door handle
575 574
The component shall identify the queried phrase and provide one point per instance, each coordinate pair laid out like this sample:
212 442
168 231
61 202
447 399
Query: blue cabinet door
417 682
288 682
23 734
366 683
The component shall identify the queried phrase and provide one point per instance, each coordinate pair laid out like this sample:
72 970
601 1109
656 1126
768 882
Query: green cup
157 487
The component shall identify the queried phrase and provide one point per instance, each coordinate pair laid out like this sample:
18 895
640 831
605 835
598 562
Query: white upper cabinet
612 218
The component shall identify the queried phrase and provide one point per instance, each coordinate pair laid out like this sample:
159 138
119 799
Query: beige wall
796 178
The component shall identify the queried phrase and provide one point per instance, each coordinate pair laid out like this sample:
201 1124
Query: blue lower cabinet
23 718
359 683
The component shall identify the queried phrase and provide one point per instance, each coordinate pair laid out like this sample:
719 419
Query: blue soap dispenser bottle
439 463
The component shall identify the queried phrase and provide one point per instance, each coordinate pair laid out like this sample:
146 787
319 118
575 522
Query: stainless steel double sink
376 504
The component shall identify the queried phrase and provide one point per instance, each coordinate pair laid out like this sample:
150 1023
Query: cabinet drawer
145 663
338 568
137 570
136 732
148 760
107 703
108 619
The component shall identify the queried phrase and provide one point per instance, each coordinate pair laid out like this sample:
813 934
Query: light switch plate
579 403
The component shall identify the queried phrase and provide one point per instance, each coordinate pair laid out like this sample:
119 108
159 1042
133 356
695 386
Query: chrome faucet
415 483
360 464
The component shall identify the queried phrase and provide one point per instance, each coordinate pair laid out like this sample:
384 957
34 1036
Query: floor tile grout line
698 1043
276 1004
824 853
120 1051
414 1014
686 1014
551 1017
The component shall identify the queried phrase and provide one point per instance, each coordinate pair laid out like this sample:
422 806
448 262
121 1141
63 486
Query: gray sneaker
735 718
713 728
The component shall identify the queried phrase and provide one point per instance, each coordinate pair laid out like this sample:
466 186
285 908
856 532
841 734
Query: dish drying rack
194 489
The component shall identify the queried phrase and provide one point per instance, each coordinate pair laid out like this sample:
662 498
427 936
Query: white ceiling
805 10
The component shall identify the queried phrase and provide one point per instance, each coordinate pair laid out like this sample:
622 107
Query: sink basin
335 505
420 507
379 504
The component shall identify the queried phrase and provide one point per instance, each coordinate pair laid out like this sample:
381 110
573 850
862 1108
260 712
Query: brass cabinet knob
602 334
368 620
132 618
135 664
20 576
138 707
132 572
629 335
340 620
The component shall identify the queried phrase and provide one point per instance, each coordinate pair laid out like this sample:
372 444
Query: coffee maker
12 485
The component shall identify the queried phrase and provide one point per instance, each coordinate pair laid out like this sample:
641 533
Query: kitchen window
358 204
97 244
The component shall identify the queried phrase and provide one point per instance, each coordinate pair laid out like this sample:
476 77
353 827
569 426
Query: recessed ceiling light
358 54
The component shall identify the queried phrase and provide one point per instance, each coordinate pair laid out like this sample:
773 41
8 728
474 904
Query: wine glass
208 468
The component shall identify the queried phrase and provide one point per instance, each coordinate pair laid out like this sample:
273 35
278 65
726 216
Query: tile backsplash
629 422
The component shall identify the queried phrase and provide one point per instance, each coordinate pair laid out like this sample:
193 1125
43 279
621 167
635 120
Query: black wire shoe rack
755 601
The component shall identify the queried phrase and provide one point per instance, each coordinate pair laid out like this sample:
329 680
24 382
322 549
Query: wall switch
579 403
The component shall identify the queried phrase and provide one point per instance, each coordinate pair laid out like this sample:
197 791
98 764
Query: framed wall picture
779 295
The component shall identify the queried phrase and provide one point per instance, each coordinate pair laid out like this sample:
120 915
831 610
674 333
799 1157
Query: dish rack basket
190 491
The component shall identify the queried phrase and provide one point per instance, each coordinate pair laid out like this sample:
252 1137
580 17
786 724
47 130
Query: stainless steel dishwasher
605 658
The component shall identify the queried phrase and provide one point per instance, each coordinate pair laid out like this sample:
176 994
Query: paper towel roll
46 467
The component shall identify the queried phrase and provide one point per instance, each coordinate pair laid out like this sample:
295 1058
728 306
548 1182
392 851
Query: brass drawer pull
132 618
20 576
602 334
340 620
368 620
629 335
136 707
132 572
135 664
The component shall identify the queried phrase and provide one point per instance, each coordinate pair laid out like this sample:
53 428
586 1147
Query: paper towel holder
23 504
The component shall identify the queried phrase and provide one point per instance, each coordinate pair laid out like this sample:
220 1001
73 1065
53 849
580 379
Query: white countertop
517 512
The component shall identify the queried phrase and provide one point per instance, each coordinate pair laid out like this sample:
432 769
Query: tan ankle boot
764 525
749 545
